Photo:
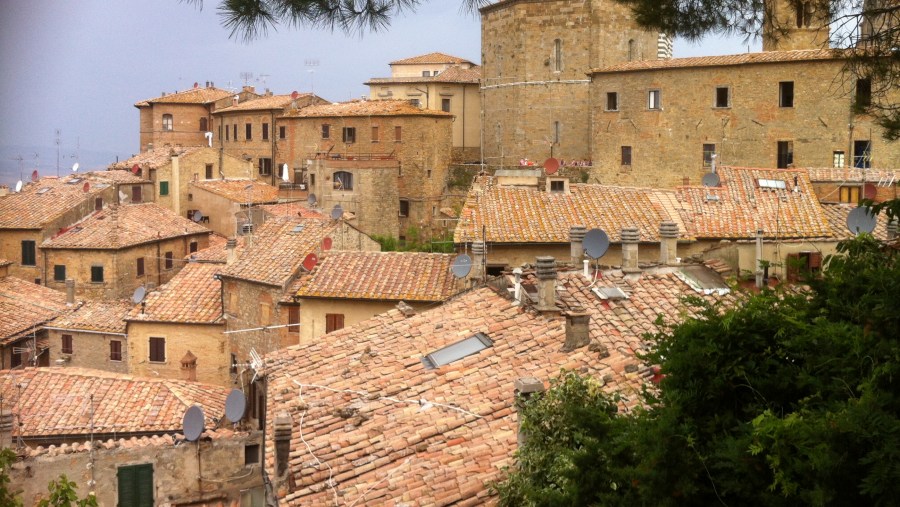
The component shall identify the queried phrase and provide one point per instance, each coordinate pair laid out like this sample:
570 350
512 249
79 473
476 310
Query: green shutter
163 188
136 486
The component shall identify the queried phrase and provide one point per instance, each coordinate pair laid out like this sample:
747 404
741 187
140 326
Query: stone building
440 82
535 54
92 335
850 184
115 250
251 130
221 201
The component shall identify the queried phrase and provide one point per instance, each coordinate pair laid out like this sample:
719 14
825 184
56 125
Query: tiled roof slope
454 74
99 316
56 401
272 102
236 190
799 55
193 296
24 305
382 446
743 207
43 201
116 176
155 158
190 96
837 219
364 108
292 209
123 226
852 174
215 252
430 58
525 215
406 276
275 252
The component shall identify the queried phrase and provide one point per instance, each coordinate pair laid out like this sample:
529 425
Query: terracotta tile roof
526 215
723 60
123 226
453 74
852 175
43 201
292 209
100 316
25 305
265 102
430 58
189 96
5 262
116 176
406 276
236 190
155 158
56 401
837 219
162 440
215 252
364 108
390 430
275 252
740 206
193 296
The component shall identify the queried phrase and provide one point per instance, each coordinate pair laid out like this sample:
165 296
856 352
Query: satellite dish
284 173
596 243
193 423
337 212
861 220
551 165
869 191
86 188
311 199
35 176
235 405
197 216
135 169
711 180
326 244
310 262
294 94
138 295
461 266
75 167
19 186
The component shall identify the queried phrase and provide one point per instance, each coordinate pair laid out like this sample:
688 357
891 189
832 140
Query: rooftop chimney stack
525 388
478 260
546 275
577 334
576 240
630 238
70 292
668 242
283 426
230 246
6 426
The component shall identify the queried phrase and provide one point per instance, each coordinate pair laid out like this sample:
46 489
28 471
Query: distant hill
45 161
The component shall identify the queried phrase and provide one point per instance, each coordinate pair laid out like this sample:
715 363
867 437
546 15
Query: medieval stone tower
535 57
795 24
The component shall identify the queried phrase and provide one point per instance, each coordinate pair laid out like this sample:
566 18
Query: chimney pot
230 246
282 426
630 238
577 330
545 270
478 260
668 242
576 241
525 387
70 291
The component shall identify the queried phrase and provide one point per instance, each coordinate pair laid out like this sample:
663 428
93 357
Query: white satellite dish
75 167
19 186
138 295
197 216
284 173
860 220
461 266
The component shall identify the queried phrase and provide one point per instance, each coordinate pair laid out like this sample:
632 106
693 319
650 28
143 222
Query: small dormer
557 185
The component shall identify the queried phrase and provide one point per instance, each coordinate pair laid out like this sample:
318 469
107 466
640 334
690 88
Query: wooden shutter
136 486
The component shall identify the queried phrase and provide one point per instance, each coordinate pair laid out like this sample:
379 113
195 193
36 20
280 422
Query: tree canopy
788 399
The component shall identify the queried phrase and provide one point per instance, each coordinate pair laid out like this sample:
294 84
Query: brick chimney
577 334
477 260
630 238
546 275
283 426
234 100
668 242
189 366
525 387
576 242
70 292
230 246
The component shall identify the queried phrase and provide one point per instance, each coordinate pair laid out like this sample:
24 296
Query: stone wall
374 198
185 125
89 350
205 341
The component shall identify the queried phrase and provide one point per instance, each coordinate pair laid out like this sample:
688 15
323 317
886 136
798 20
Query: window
248 131
28 253
136 485
348 134
157 350
66 344
115 350
97 274
404 208
169 260
234 131
333 322
849 194
282 133
375 134
723 97
785 154
863 94
251 454
626 155
557 55
326 131
227 133
556 132
776 184
204 123
265 167
343 180
98 204
426 73
15 359
139 269
557 186
612 101
653 99
192 247
862 154
398 134
59 273
445 105
708 151
265 131
234 363
415 102
209 171
839 158
786 94
136 194
167 122
163 188
632 50
456 351
293 319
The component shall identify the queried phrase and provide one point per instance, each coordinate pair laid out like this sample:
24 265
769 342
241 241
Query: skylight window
779 184
298 228
610 293
44 190
456 351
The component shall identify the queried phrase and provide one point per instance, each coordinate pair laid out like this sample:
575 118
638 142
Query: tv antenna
262 79
58 133
20 159
246 76
311 65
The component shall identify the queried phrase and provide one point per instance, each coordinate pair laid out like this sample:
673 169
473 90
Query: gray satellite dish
284 173
138 295
235 405
711 180
75 167
197 216
861 220
19 186
337 212
595 242
311 199
193 423
461 266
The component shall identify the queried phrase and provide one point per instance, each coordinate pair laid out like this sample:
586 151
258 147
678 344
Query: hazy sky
80 66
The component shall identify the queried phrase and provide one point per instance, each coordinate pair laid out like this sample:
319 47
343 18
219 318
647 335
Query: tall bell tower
795 24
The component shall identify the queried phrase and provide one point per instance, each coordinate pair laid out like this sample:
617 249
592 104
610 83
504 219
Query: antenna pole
57 152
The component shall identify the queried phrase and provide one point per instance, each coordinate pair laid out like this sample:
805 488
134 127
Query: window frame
94 272
160 345
784 158
29 252
282 132
654 100
708 154
718 97
265 131
404 208
169 260
163 188
203 124
208 172
133 481
265 166
67 345
348 135
139 269
115 349
838 158
849 194
334 322
627 155
57 270
326 131
345 183
398 133
612 98
786 93
168 122
248 131
445 104
293 319
374 133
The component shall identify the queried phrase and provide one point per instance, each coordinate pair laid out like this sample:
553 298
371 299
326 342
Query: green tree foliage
414 242
784 400
7 497
63 494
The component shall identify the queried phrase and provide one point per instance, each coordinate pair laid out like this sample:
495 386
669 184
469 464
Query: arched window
167 122
203 125
343 180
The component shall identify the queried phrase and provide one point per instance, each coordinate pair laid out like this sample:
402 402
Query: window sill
157 362
610 110
721 107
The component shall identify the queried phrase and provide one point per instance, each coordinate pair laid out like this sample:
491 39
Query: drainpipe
759 256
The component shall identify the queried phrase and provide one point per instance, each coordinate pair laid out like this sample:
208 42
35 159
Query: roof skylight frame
456 351
609 293
772 184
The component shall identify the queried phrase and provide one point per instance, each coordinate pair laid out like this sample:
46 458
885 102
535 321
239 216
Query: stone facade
792 24
89 349
204 341
535 54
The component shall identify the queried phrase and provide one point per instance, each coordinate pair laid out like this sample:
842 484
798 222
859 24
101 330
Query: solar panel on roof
456 351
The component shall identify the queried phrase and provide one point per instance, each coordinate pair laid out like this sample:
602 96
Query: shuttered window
293 319
59 273
158 350
136 486
115 350
333 322
67 344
